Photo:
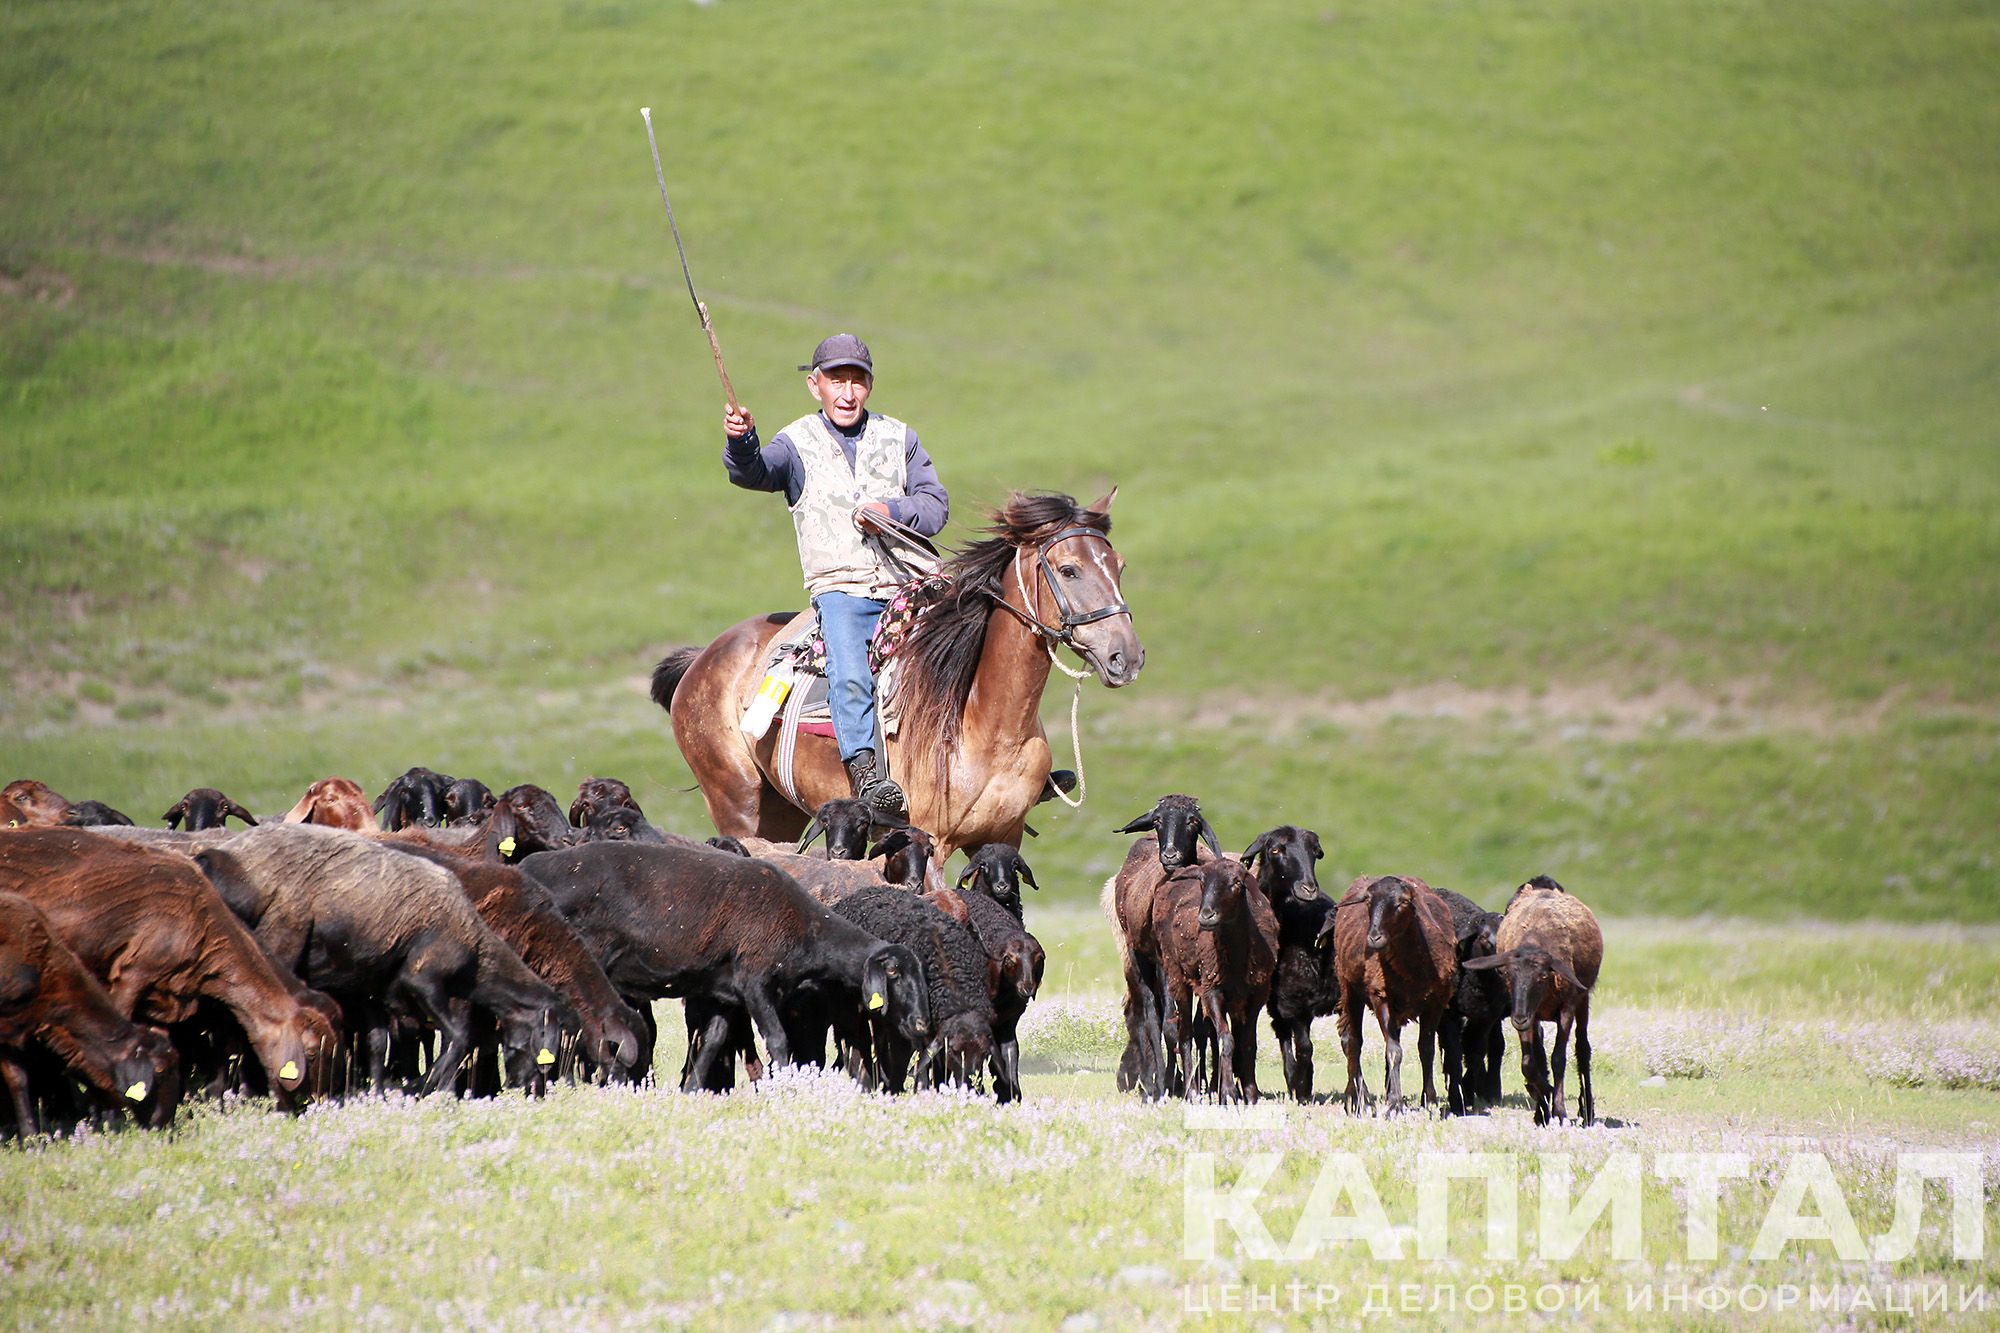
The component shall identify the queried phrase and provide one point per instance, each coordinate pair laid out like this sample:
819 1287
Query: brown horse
970 749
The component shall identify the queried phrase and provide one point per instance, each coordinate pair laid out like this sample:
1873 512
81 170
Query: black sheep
1481 1006
959 979
1303 987
417 797
1020 959
997 871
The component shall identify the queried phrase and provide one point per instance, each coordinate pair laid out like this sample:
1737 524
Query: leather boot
874 787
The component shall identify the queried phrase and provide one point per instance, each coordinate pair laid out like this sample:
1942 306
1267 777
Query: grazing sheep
31 804
1396 956
1550 953
1303 987
417 797
334 803
205 808
387 933
1217 946
997 870
520 912
958 976
466 801
1480 1005
57 1020
594 795
94 814
1172 827
148 924
676 921
1020 959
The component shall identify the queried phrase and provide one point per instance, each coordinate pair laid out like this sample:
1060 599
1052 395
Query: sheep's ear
895 841
177 813
1312 844
967 875
813 829
576 811
1027 874
1145 823
1256 849
1568 977
1490 962
1208 835
234 809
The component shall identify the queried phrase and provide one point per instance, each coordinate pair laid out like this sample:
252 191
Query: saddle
794 689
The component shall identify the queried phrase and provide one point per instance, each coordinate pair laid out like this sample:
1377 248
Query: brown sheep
1396 956
335 803
1550 950
50 1002
148 924
1217 945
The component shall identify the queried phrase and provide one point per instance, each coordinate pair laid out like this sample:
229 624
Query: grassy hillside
1549 440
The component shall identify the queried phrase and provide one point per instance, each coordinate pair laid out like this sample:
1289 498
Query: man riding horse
841 469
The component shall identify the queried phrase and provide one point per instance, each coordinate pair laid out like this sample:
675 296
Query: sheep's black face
1390 904
968 1041
539 822
1287 855
847 822
466 800
532 1042
895 977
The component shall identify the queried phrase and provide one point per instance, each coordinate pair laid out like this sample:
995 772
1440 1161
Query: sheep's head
1480 936
1539 884
205 808
466 800
597 794
1392 908
417 797
997 870
617 1046
531 1039
847 824
531 817
893 994
35 802
301 1053
725 843
620 824
1538 981
1223 886
335 803
1283 861
146 1071
909 859
95 814
1177 821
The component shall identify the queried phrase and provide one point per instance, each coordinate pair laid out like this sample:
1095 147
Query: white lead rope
1075 733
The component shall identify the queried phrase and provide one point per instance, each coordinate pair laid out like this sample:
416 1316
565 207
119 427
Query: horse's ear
1102 505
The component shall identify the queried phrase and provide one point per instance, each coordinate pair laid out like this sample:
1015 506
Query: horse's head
1068 578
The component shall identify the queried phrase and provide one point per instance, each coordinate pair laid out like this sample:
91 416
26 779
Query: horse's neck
1005 704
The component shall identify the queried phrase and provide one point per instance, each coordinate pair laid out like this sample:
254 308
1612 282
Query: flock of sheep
443 939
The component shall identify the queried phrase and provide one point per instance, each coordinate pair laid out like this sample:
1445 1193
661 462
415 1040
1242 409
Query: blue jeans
847 623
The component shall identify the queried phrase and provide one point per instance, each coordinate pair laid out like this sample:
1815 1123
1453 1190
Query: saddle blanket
795 665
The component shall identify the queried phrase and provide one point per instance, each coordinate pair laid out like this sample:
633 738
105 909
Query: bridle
1069 619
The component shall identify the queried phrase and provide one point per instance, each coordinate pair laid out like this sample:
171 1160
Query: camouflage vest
831 550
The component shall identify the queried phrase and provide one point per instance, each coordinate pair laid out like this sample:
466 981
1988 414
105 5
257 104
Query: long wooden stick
700 308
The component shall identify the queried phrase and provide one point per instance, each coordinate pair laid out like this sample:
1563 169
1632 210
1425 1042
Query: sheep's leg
1560 1058
1142 1025
1426 1055
1496 1057
763 1006
1588 1096
15 1075
1356 1095
649 1037
453 1020
1224 1037
1170 1039
1244 1036
1452 1029
1534 1072
708 1054
1392 1061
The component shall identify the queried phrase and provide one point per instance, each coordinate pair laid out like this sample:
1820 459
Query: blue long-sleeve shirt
776 467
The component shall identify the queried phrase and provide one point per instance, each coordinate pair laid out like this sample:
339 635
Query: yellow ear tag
137 1092
507 846
290 1070
545 1056
875 1000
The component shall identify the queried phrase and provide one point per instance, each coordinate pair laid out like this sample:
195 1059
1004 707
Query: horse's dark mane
942 653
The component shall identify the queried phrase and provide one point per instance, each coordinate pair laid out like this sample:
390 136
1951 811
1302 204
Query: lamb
595 795
1550 952
205 808
380 930
1171 827
146 922
521 913
675 921
1020 959
1395 955
1480 1006
1303 987
959 978
417 797
335 803
56 1019
1217 945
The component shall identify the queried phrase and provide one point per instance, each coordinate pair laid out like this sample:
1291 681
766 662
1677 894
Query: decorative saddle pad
799 655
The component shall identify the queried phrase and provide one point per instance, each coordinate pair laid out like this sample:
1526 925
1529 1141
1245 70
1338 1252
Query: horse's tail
667 675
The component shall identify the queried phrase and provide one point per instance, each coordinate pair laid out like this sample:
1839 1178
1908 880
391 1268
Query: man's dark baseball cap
842 349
